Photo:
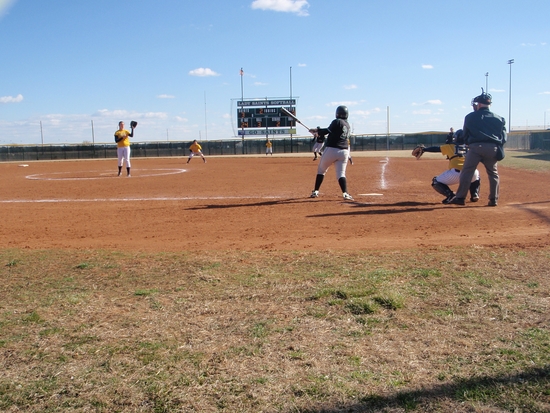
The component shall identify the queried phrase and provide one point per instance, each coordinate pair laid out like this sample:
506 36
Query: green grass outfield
420 330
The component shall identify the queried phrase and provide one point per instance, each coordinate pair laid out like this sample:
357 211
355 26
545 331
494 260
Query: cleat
314 194
474 199
457 201
448 199
347 196
492 203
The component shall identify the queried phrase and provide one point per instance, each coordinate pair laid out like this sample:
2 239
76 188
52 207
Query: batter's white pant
338 157
452 177
123 155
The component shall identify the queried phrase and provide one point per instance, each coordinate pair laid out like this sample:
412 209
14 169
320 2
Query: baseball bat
291 115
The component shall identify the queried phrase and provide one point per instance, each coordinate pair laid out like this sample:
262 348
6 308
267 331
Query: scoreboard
257 117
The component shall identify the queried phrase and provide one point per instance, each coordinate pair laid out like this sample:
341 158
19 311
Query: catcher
318 142
455 150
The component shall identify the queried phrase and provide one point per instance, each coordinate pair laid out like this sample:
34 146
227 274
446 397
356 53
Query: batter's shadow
251 204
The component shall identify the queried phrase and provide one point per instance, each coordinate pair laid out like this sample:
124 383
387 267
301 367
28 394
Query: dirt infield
259 202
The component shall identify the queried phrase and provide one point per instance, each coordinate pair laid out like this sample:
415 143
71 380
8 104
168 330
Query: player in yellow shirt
122 139
268 147
195 150
455 150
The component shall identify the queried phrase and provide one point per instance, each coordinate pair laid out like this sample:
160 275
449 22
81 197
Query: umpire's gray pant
484 152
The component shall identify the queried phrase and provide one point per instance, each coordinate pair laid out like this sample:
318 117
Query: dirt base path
252 203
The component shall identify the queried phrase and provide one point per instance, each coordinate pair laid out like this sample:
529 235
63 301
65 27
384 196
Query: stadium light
510 98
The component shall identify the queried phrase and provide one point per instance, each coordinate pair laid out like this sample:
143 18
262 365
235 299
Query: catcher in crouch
455 150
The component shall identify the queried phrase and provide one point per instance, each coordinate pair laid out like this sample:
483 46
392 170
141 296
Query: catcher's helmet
484 98
342 112
458 137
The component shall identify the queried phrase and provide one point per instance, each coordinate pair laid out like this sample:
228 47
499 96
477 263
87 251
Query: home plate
370 194
24 165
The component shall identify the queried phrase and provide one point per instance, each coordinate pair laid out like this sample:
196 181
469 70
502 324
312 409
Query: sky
71 70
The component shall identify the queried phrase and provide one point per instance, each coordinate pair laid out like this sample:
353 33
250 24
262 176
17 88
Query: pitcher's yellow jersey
125 135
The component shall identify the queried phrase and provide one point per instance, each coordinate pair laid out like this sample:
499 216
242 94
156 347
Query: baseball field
222 287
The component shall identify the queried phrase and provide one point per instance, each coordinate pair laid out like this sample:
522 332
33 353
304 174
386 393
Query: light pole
487 82
510 98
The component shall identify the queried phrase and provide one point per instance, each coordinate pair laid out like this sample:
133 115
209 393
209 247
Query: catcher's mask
484 98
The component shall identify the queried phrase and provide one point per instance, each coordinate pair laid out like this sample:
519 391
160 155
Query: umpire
485 135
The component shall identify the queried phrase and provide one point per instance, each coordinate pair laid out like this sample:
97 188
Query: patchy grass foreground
462 330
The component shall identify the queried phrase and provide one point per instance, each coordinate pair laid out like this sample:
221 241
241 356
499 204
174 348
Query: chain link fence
525 140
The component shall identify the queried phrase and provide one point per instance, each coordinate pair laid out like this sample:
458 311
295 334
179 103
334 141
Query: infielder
455 151
319 140
336 151
195 149
122 139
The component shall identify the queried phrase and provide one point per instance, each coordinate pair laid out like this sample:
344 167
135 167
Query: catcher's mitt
133 124
418 151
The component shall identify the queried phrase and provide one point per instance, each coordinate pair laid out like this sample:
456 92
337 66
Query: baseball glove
418 151
133 124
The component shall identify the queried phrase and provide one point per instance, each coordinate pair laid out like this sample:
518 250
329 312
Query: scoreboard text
265 114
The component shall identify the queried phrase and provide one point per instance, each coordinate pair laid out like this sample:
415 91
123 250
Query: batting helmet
342 112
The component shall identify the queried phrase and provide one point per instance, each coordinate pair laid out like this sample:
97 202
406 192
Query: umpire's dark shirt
483 125
338 134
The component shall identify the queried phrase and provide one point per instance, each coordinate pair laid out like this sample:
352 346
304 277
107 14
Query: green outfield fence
528 140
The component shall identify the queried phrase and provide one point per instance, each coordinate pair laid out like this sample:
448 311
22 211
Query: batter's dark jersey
338 134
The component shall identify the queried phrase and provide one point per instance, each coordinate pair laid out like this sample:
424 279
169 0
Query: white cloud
544 93
164 96
4 6
123 114
11 99
365 113
428 102
260 84
422 112
302 65
350 87
427 67
151 115
287 6
203 72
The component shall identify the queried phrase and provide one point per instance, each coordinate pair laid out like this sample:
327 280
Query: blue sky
173 65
